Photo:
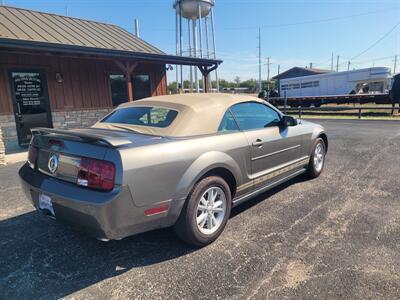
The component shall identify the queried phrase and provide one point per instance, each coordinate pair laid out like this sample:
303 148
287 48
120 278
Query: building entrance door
31 103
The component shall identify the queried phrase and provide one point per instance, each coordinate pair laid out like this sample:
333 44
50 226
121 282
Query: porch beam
206 71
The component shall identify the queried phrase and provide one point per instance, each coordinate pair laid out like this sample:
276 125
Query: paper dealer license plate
45 203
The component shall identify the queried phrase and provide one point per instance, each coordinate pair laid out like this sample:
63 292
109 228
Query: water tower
195 12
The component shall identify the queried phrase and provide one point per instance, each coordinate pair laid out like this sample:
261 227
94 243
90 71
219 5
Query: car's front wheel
205 213
317 160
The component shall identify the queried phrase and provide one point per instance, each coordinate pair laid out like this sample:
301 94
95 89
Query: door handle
257 143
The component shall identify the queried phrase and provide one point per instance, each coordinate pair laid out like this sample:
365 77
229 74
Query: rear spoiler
111 141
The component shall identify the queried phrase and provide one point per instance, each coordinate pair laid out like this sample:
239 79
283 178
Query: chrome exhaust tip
103 239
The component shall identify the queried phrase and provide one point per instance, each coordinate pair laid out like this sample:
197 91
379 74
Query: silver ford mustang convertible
180 160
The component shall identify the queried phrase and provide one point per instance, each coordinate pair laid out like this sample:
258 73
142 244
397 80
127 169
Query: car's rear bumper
104 215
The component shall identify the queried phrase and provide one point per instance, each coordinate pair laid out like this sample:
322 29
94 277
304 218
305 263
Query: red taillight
96 174
32 156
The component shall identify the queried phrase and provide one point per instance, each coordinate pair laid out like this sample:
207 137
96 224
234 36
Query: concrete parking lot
337 236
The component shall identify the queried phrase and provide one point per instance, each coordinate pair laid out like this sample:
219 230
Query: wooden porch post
206 71
127 68
205 83
129 88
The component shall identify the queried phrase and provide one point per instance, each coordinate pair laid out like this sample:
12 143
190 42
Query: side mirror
289 121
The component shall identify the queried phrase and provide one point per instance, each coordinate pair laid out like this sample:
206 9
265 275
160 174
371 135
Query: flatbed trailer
317 101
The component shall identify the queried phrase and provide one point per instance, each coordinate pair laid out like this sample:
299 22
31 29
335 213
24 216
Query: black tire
312 170
186 226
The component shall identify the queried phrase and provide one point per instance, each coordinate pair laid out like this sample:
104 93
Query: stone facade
8 136
77 118
61 119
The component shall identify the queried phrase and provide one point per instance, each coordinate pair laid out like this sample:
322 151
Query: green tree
237 81
250 84
172 87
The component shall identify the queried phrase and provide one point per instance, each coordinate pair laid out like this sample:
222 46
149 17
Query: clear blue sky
293 32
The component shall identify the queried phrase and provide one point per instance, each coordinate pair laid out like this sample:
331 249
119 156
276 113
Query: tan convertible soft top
197 113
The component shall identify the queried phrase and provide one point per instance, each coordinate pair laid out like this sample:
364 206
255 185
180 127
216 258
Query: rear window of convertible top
143 116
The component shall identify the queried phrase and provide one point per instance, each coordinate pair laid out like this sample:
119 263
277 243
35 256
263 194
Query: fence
301 110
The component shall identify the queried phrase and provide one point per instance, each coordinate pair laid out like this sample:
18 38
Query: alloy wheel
211 210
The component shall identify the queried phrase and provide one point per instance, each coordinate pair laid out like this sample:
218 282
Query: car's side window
253 115
228 123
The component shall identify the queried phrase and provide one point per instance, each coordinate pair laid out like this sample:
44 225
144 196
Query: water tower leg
177 51
181 44
207 49
201 40
214 46
196 78
190 54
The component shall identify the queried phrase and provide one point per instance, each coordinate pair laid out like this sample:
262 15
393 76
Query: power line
291 24
374 59
378 41
309 21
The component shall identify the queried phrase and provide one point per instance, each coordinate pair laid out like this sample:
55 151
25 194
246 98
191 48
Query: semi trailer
373 85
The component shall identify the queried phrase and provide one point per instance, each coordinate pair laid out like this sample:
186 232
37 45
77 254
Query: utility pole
348 65
268 64
259 60
395 64
332 63
337 63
